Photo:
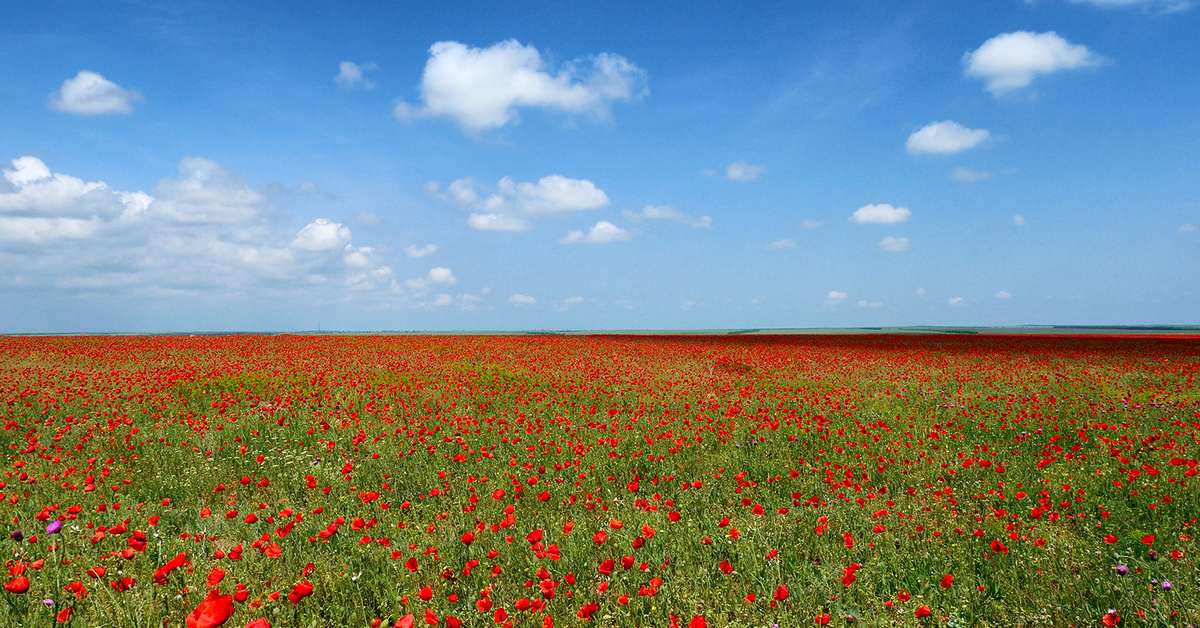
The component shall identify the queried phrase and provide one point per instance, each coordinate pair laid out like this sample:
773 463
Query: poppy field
540 481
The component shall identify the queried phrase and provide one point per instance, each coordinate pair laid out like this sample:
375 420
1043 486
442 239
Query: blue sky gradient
675 166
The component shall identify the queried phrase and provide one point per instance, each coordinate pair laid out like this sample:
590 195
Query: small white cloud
870 304
602 233
573 300
966 175
786 243
944 138
811 224
482 88
1003 295
437 277
920 292
367 218
881 214
1012 60
424 251
742 171
89 94
443 299
496 222
1162 6
1018 220
1187 226
666 212
322 235
511 206
520 299
351 75
894 245
956 301
834 297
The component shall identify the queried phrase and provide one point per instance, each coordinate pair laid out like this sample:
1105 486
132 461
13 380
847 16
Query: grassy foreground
600 481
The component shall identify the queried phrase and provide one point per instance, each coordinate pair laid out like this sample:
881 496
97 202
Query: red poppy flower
213 611
822 619
20 584
300 591
781 593
947 581
405 622
922 611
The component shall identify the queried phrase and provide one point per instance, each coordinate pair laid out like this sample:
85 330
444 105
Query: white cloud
436 277
1018 220
882 214
834 297
573 300
510 207
1187 226
1162 6
894 245
367 218
786 243
204 233
870 304
944 138
89 94
920 292
322 235
742 171
520 299
1012 60
811 224
666 212
351 74
1003 295
482 88
424 251
966 175
956 301
602 233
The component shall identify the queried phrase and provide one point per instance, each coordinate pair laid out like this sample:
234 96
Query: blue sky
441 166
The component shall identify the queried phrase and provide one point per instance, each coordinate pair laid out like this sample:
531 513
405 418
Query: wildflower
213 611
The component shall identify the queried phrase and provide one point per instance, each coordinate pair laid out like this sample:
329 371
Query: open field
546 480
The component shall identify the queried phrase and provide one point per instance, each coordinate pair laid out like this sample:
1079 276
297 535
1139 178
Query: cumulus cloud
811 224
881 214
322 235
786 243
1003 295
957 302
1018 220
511 206
205 232
666 212
350 75
1011 61
894 245
89 94
870 304
436 277
944 138
834 297
602 232
920 292
424 251
367 218
1186 227
483 88
573 300
520 299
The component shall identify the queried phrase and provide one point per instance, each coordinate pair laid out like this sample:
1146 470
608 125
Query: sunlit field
543 481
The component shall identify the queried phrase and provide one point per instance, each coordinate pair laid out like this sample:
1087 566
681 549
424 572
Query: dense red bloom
1110 539
781 593
922 611
947 581
405 622
213 611
822 619
698 621
261 622
20 584
999 547
300 591
65 614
